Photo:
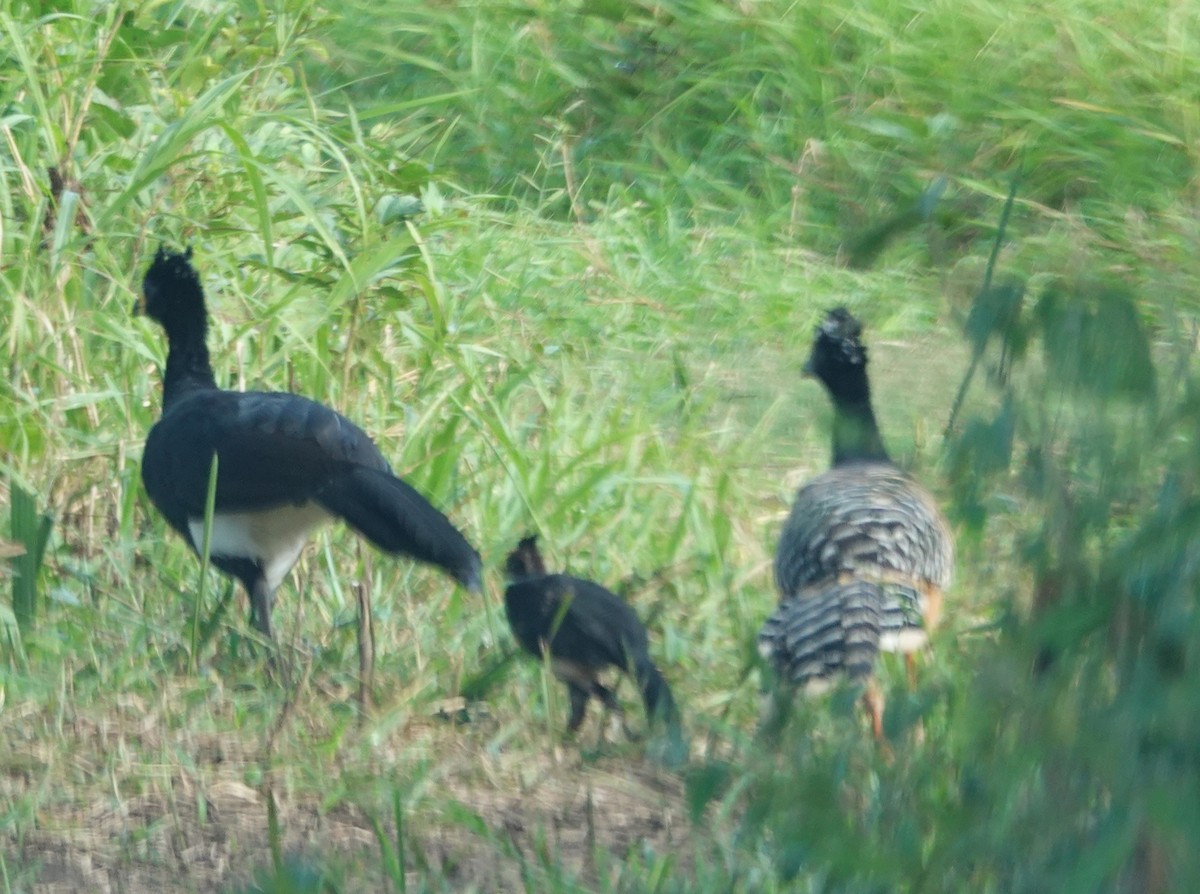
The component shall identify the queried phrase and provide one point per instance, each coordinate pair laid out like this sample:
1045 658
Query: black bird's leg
579 700
261 597
611 703
607 696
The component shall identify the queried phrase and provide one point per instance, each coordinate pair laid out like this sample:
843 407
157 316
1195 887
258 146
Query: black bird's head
839 358
526 560
171 294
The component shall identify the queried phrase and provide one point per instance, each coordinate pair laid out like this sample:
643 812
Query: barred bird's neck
856 436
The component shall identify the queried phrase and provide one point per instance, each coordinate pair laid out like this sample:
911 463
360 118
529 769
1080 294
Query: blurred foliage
819 121
1062 762
560 258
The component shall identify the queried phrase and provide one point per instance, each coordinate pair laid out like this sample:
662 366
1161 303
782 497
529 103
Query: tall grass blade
64 224
984 294
274 833
401 878
31 530
433 291
210 503
393 857
370 265
261 203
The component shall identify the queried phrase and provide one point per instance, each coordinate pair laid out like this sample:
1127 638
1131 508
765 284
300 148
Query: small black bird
587 630
865 553
286 464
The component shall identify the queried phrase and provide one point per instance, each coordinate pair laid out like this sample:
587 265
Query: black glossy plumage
588 630
286 463
865 553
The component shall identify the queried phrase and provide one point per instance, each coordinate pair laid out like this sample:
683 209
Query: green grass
563 261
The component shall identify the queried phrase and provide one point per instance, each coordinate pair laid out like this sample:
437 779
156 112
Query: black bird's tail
656 694
397 519
662 712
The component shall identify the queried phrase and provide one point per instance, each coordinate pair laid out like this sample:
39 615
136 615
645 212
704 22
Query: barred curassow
587 630
286 464
865 553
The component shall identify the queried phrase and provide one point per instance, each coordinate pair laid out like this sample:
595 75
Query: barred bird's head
839 358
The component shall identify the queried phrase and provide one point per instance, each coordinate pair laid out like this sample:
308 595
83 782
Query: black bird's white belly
273 538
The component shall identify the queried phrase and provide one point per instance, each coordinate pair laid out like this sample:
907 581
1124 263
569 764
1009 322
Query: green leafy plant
31 533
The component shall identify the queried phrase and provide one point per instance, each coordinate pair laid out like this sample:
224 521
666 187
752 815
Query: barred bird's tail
828 631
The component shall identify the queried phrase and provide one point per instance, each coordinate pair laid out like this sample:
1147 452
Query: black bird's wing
273 449
277 449
600 626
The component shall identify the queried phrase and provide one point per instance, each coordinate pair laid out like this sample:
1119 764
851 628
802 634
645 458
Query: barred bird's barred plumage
865 553
870 521
830 629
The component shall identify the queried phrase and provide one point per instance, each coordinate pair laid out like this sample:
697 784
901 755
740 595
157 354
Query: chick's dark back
597 628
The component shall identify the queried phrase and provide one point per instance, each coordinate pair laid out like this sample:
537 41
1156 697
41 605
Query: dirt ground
479 822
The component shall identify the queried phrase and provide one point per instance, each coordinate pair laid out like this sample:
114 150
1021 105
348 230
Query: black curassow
865 553
286 464
587 630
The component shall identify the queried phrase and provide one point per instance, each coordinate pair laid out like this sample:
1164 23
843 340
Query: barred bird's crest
840 335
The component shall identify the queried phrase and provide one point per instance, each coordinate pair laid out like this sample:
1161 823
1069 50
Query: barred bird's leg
873 700
910 665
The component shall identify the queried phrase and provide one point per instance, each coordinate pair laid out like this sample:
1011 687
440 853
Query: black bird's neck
518 576
856 435
188 366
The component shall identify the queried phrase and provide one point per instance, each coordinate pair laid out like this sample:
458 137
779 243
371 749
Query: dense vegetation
563 260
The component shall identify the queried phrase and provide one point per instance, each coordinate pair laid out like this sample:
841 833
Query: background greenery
563 259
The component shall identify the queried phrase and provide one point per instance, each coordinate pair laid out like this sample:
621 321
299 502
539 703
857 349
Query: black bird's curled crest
171 284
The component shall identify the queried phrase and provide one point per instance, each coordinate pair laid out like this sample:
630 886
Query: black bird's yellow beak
139 306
